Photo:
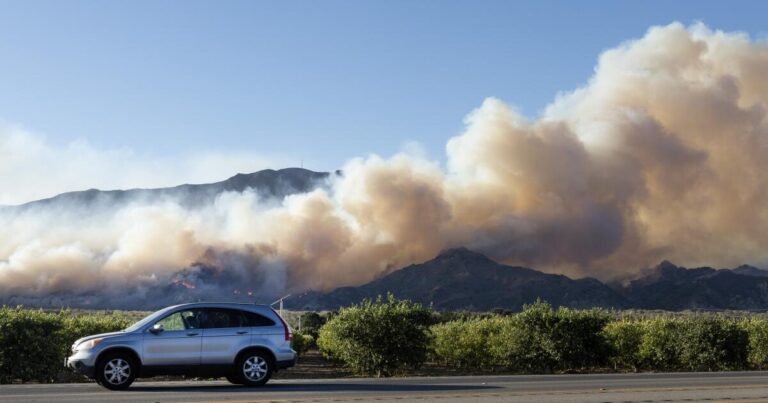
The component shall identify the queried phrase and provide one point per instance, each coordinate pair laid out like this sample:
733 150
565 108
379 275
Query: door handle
242 332
192 334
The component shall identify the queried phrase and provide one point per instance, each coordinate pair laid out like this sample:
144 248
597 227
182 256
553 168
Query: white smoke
32 168
661 155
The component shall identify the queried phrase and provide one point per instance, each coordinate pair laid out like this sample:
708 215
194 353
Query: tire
254 368
234 380
116 371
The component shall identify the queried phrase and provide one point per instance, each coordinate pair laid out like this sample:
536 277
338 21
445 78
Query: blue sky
319 81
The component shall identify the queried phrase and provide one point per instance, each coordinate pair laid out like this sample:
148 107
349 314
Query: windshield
149 319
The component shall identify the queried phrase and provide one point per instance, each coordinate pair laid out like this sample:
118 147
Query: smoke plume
31 167
661 155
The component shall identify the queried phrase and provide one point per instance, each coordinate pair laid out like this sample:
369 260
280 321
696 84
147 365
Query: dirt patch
313 365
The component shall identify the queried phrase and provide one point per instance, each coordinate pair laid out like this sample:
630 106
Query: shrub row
34 343
706 343
542 339
384 337
539 339
387 336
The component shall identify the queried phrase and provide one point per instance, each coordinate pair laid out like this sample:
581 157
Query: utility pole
280 311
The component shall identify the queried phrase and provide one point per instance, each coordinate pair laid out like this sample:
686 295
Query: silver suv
244 343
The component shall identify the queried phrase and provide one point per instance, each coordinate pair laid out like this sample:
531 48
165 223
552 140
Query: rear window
254 319
218 318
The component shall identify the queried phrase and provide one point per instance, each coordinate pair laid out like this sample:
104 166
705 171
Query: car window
216 318
254 319
182 320
149 319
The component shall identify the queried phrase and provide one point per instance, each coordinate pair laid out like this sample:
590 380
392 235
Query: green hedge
696 343
387 337
34 343
543 340
30 345
538 340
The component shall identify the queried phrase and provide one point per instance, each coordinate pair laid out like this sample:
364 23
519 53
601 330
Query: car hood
96 336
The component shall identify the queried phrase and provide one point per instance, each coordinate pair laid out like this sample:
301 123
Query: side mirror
156 329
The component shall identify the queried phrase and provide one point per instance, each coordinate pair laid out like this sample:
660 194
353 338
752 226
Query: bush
444 343
311 322
302 343
450 316
659 348
542 339
378 338
696 343
757 330
464 343
625 338
712 344
539 339
30 345
518 347
46 336
578 338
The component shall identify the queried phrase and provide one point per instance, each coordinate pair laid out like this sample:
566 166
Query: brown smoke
663 154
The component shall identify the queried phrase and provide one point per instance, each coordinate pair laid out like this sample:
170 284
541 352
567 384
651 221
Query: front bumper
79 366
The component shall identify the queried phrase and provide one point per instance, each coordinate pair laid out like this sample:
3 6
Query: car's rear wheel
254 368
116 371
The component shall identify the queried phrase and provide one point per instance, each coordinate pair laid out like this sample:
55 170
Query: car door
178 345
265 331
225 333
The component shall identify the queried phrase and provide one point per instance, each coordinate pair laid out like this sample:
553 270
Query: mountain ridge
461 279
268 182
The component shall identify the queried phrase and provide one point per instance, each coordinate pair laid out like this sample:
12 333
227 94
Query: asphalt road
677 387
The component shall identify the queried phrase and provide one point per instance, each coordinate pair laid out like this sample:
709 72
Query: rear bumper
79 367
287 363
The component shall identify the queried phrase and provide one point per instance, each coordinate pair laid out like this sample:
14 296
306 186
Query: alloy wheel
117 371
255 368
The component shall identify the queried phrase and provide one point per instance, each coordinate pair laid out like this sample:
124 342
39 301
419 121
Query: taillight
288 333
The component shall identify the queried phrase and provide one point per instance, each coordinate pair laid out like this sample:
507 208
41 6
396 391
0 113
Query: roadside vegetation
543 339
34 343
390 337
381 338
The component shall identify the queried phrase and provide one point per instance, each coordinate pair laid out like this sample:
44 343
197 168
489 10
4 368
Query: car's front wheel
234 380
254 368
116 371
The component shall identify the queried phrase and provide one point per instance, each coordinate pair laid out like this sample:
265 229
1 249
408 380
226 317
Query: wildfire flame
186 284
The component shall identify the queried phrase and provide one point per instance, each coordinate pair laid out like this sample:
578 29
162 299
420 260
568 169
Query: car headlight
89 344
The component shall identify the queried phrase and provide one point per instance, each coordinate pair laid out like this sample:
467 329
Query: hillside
460 279
269 183
673 287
